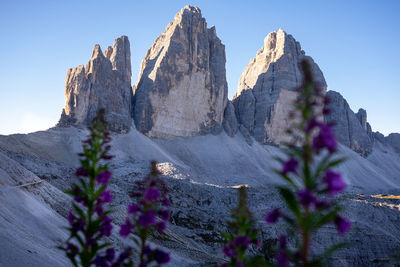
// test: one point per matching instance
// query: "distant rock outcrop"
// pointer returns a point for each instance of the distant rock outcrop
(104, 83)
(265, 94)
(230, 122)
(393, 140)
(182, 88)
(352, 130)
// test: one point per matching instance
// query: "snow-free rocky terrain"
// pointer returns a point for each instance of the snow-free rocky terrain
(206, 146)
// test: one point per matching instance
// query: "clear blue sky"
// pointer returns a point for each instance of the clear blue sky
(355, 43)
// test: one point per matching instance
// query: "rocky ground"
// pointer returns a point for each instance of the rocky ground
(203, 174)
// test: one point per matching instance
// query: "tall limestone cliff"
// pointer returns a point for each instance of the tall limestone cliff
(352, 130)
(182, 88)
(105, 82)
(265, 93)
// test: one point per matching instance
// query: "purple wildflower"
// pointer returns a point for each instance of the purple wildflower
(106, 226)
(99, 210)
(81, 172)
(241, 241)
(311, 124)
(229, 250)
(108, 157)
(164, 214)
(273, 216)
(282, 259)
(342, 224)
(306, 197)
(161, 257)
(282, 241)
(110, 254)
(123, 256)
(126, 228)
(72, 249)
(152, 194)
(103, 177)
(77, 224)
(105, 196)
(100, 261)
(71, 218)
(325, 139)
(289, 166)
(161, 226)
(166, 202)
(147, 218)
(133, 209)
(335, 182)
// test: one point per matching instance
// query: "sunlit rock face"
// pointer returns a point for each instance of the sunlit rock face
(266, 93)
(182, 89)
(105, 82)
(352, 130)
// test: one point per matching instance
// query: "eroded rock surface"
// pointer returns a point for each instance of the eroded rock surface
(265, 93)
(182, 89)
(105, 82)
(352, 130)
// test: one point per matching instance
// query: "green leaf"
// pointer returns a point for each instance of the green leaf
(286, 178)
(291, 201)
(330, 216)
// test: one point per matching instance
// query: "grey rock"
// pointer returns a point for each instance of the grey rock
(393, 140)
(350, 128)
(246, 134)
(105, 82)
(182, 88)
(265, 93)
(362, 117)
(379, 137)
(230, 122)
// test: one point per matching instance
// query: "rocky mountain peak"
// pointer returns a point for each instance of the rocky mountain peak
(182, 89)
(266, 87)
(104, 83)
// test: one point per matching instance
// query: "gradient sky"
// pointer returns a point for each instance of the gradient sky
(355, 43)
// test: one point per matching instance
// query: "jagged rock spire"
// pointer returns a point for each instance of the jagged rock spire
(265, 93)
(182, 89)
(104, 83)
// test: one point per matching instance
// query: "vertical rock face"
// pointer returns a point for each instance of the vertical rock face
(352, 130)
(182, 89)
(230, 122)
(104, 83)
(393, 139)
(266, 88)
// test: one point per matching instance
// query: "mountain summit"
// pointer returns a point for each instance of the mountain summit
(182, 88)
(266, 87)
(104, 83)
